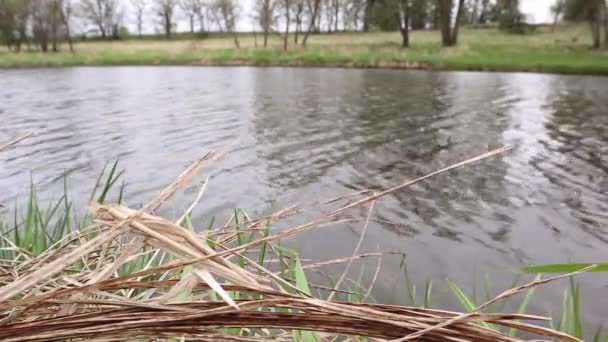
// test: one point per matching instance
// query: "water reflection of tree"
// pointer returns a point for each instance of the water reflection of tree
(437, 119)
(303, 123)
(373, 129)
(575, 160)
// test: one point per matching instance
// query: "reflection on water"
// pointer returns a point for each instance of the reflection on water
(312, 134)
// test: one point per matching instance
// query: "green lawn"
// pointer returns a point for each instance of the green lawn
(565, 51)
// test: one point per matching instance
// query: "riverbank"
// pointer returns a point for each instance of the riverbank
(565, 50)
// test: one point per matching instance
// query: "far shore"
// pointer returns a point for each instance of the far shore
(563, 51)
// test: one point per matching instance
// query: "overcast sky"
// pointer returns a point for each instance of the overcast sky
(537, 11)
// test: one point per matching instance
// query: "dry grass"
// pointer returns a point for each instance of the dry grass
(133, 275)
(14, 142)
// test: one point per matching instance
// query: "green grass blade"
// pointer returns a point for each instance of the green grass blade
(428, 294)
(576, 309)
(302, 286)
(563, 322)
(113, 176)
(466, 302)
(564, 268)
(262, 255)
(597, 336)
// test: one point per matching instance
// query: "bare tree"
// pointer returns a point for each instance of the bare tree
(449, 31)
(605, 7)
(193, 9)
(227, 12)
(165, 9)
(367, 17)
(15, 18)
(313, 19)
(67, 10)
(265, 16)
(286, 7)
(139, 7)
(298, 16)
(352, 13)
(336, 5)
(103, 14)
(404, 22)
(326, 9)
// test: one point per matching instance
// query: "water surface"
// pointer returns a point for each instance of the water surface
(305, 135)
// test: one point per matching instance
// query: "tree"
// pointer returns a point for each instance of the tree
(165, 10)
(385, 15)
(313, 20)
(352, 13)
(449, 31)
(419, 14)
(286, 7)
(592, 11)
(265, 16)
(489, 12)
(557, 9)
(405, 22)
(333, 13)
(192, 9)
(67, 11)
(15, 16)
(367, 17)
(510, 17)
(227, 12)
(140, 7)
(298, 16)
(103, 14)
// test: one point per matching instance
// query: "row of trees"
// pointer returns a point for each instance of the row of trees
(593, 11)
(42, 22)
(306, 16)
(46, 23)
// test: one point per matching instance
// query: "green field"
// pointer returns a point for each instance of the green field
(565, 50)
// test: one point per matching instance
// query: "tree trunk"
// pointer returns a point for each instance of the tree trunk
(265, 37)
(64, 16)
(405, 23)
(596, 24)
(103, 31)
(605, 12)
(287, 17)
(445, 10)
(54, 26)
(167, 25)
(298, 23)
(475, 13)
(236, 40)
(367, 16)
(311, 26)
(459, 12)
(337, 15)
(191, 23)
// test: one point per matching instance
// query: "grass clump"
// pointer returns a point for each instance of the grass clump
(123, 274)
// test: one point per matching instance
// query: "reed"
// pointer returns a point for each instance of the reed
(124, 274)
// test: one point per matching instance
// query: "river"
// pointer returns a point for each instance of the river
(304, 135)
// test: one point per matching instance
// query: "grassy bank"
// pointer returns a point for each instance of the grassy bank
(121, 274)
(565, 50)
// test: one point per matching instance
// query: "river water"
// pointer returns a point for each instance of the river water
(305, 135)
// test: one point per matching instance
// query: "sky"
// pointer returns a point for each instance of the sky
(537, 11)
